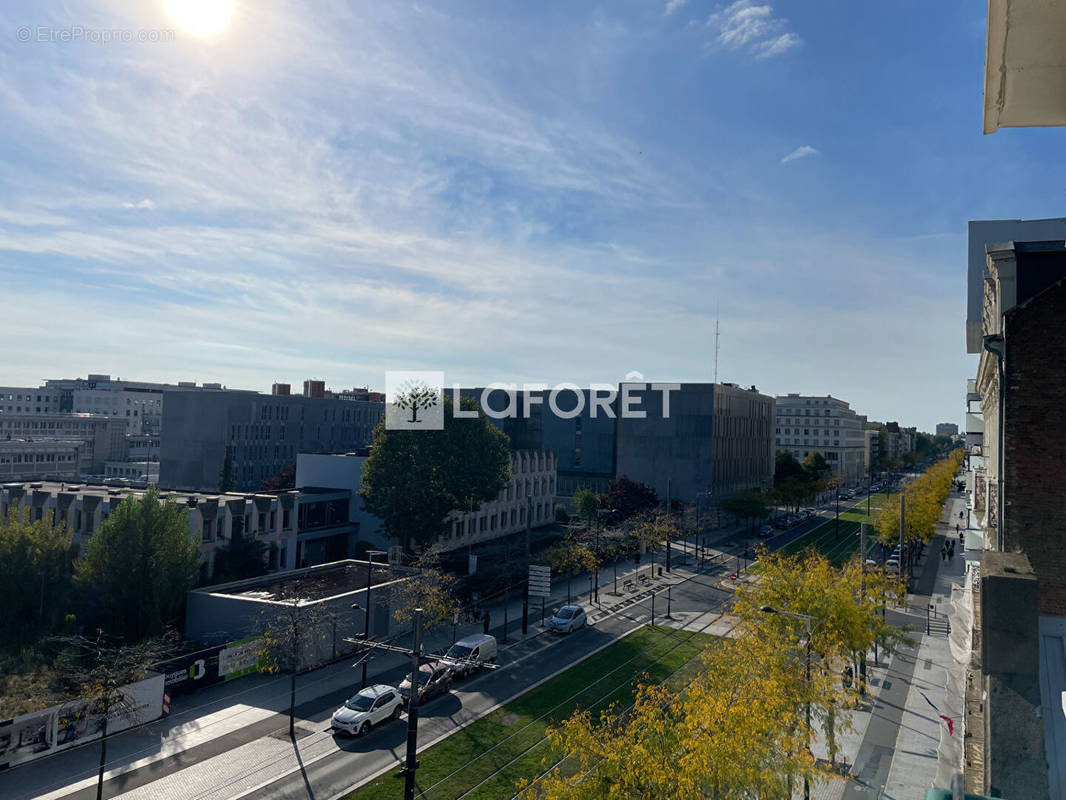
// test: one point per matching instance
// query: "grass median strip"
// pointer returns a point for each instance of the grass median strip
(486, 758)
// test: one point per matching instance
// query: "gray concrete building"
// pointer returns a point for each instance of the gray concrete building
(22, 460)
(717, 439)
(264, 433)
(947, 429)
(104, 438)
(325, 596)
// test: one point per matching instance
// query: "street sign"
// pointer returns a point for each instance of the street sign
(540, 581)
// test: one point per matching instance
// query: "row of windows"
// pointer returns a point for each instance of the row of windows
(528, 488)
(266, 523)
(364, 414)
(490, 522)
(30, 458)
(807, 432)
(29, 398)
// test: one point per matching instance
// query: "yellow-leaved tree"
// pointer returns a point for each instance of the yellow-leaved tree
(742, 726)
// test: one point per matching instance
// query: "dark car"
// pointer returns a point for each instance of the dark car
(434, 679)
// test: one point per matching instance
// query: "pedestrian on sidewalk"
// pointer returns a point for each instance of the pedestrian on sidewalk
(848, 676)
(943, 552)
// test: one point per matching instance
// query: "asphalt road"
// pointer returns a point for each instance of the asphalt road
(522, 666)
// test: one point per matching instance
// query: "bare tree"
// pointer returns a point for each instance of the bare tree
(97, 668)
(293, 629)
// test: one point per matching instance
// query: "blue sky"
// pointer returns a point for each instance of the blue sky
(507, 191)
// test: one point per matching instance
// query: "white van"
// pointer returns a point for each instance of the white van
(468, 655)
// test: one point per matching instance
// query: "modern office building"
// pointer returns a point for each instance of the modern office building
(263, 434)
(813, 423)
(947, 429)
(103, 438)
(213, 518)
(692, 440)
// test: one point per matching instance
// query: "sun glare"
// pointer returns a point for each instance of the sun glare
(200, 18)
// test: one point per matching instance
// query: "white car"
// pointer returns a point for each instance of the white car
(370, 706)
(567, 619)
(892, 563)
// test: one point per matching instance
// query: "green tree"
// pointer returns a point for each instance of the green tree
(227, 478)
(626, 498)
(241, 557)
(37, 574)
(138, 566)
(817, 468)
(750, 505)
(587, 503)
(413, 479)
(793, 484)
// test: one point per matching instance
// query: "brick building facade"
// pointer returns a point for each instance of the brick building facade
(1034, 463)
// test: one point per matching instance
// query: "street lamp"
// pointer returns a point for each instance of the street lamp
(599, 525)
(369, 580)
(807, 676)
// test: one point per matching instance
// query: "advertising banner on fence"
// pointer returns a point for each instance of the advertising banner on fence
(192, 671)
(39, 733)
(239, 658)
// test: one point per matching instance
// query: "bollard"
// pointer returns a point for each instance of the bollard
(486, 622)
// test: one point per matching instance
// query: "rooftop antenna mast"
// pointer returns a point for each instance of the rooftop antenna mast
(716, 344)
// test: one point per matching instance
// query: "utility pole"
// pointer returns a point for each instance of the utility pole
(412, 714)
(369, 580)
(670, 523)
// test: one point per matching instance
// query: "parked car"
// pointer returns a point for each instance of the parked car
(766, 531)
(370, 706)
(469, 655)
(568, 619)
(434, 678)
(780, 524)
(892, 562)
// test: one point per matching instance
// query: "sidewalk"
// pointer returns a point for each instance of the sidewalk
(904, 738)
(223, 741)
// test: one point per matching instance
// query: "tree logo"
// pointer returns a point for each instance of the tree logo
(414, 400)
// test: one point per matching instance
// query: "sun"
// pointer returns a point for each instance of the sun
(201, 18)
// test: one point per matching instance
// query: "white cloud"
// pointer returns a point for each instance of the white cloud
(146, 204)
(800, 152)
(675, 5)
(743, 25)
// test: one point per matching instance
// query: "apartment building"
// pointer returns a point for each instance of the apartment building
(1015, 538)
(813, 423)
(947, 429)
(213, 518)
